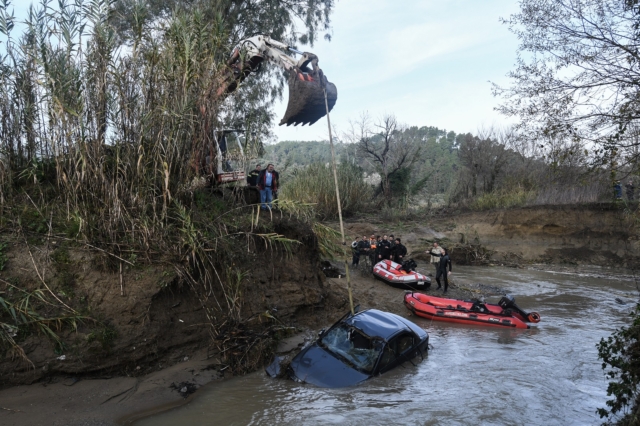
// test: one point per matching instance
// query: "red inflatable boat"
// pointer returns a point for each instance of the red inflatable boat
(401, 276)
(505, 314)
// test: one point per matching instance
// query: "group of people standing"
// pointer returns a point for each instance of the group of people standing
(629, 189)
(378, 248)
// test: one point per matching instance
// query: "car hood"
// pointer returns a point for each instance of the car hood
(317, 366)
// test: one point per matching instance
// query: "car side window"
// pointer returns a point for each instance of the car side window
(388, 356)
(404, 343)
(396, 347)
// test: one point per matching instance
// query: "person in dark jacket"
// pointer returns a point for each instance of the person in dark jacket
(268, 180)
(363, 246)
(442, 269)
(630, 190)
(373, 250)
(252, 177)
(355, 249)
(392, 246)
(399, 252)
(617, 190)
(384, 249)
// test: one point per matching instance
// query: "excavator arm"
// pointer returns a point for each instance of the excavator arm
(307, 83)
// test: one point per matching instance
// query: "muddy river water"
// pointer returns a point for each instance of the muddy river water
(547, 375)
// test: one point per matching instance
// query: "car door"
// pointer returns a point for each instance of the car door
(399, 349)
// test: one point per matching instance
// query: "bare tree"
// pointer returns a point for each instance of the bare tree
(578, 74)
(386, 146)
(485, 156)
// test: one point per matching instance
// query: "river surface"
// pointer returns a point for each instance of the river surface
(547, 375)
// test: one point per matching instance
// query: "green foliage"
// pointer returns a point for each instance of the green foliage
(19, 316)
(61, 256)
(32, 220)
(620, 355)
(105, 334)
(315, 184)
(329, 241)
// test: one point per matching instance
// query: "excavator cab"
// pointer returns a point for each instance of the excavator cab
(225, 160)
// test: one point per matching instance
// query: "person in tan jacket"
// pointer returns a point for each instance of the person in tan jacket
(435, 252)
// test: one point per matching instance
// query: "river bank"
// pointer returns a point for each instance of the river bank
(106, 401)
(161, 351)
(547, 375)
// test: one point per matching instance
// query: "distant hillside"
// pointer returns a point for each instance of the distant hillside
(302, 153)
(438, 156)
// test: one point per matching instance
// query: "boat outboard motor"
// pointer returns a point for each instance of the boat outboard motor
(409, 265)
(509, 303)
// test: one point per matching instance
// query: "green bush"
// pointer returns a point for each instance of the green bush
(315, 185)
(620, 354)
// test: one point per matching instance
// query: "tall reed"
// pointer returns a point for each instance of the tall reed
(315, 185)
(105, 139)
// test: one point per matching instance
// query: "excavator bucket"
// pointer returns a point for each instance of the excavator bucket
(306, 98)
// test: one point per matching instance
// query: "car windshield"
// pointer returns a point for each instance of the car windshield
(357, 348)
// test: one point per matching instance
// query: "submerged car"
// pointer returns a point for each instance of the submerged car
(358, 347)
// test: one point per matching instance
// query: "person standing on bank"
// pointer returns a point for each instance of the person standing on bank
(435, 253)
(355, 248)
(373, 250)
(252, 178)
(384, 249)
(617, 190)
(630, 190)
(399, 252)
(268, 184)
(363, 246)
(442, 270)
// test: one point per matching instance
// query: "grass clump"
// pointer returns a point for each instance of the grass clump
(105, 335)
(315, 185)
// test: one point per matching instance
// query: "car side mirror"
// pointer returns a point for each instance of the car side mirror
(321, 333)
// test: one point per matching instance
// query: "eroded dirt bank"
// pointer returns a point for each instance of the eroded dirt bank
(152, 346)
(596, 234)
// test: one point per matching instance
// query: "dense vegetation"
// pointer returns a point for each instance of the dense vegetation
(427, 167)
(106, 109)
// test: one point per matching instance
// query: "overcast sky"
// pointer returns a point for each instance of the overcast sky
(429, 62)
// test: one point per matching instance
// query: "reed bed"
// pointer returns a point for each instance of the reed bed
(315, 185)
(101, 142)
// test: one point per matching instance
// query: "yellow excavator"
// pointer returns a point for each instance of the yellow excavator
(307, 87)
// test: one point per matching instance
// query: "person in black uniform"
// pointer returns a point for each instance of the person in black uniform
(399, 252)
(355, 248)
(384, 249)
(252, 177)
(392, 243)
(442, 269)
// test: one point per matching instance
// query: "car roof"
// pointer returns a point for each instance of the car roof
(373, 322)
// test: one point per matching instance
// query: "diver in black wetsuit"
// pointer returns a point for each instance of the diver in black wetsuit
(442, 269)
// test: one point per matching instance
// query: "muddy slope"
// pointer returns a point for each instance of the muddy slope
(159, 321)
(597, 234)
